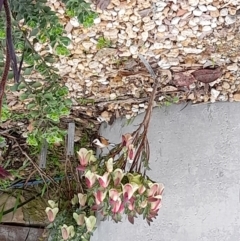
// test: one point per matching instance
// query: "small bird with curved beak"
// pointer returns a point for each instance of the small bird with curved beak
(102, 142)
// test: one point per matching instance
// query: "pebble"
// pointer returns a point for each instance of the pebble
(236, 96)
(226, 85)
(171, 34)
(230, 19)
(233, 67)
(214, 94)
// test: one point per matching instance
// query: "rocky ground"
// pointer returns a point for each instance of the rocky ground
(174, 36)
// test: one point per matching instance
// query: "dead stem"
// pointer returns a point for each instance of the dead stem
(41, 172)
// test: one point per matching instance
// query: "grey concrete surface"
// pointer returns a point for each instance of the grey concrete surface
(196, 154)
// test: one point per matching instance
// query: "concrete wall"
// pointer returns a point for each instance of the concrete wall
(196, 154)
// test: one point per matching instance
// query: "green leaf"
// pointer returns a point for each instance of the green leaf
(32, 140)
(49, 59)
(28, 71)
(14, 87)
(21, 86)
(65, 40)
(34, 32)
(36, 85)
(23, 96)
(31, 105)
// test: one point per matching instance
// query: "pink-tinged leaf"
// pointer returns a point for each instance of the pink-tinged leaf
(90, 178)
(182, 79)
(99, 197)
(103, 180)
(114, 194)
(131, 219)
(127, 140)
(5, 174)
(51, 213)
(128, 190)
(81, 168)
(117, 176)
(117, 206)
(156, 205)
(207, 75)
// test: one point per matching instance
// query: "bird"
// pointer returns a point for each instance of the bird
(102, 142)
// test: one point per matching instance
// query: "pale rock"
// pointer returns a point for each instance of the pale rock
(203, 8)
(133, 49)
(93, 65)
(192, 23)
(37, 47)
(129, 43)
(159, 22)
(114, 14)
(131, 34)
(211, 8)
(222, 98)
(193, 3)
(168, 44)
(182, 23)
(160, 5)
(135, 29)
(213, 25)
(186, 15)
(224, 12)
(149, 26)
(204, 22)
(175, 20)
(161, 28)
(125, 54)
(122, 35)
(97, 20)
(68, 27)
(116, 2)
(206, 28)
(173, 61)
(226, 85)
(146, 19)
(175, 31)
(121, 12)
(157, 45)
(174, 7)
(232, 11)
(236, 96)
(187, 32)
(141, 105)
(134, 109)
(181, 38)
(173, 53)
(113, 96)
(87, 45)
(192, 50)
(94, 41)
(229, 19)
(215, 14)
(81, 67)
(167, 89)
(135, 19)
(144, 36)
(221, 20)
(233, 67)
(214, 94)
(74, 22)
(112, 34)
(164, 64)
(197, 12)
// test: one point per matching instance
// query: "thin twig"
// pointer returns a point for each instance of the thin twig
(41, 172)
